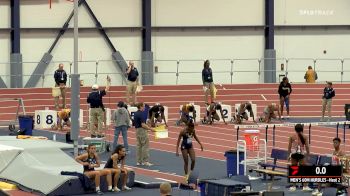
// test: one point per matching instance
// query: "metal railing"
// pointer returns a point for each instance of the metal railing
(171, 72)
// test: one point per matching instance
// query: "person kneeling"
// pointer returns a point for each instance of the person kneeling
(242, 114)
(118, 157)
(63, 122)
(185, 115)
(269, 113)
(212, 114)
(156, 115)
(90, 161)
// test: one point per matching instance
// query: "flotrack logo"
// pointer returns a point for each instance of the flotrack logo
(295, 170)
(306, 12)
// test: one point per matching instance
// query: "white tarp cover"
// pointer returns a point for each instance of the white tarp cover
(38, 165)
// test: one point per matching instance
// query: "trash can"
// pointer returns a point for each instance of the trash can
(252, 139)
(347, 111)
(26, 124)
(231, 162)
(201, 186)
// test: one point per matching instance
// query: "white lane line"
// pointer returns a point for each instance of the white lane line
(141, 182)
(263, 97)
(163, 179)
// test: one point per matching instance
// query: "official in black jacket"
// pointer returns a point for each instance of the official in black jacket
(208, 84)
(328, 94)
(284, 91)
(133, 81)
(95, 101)
(60, 81)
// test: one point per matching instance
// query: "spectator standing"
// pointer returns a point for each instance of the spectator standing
(310, 75)
(122, 123)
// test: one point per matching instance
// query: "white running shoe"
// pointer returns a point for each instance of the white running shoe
(292, 188)
(306, 188)
(315, 192)
(125, 188)
(148, 164)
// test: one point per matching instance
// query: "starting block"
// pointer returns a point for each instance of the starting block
(198, 112)
(161, 132)
(254, 108)
(81, 118)
(45, 119)
(227, 112)
(107, 118)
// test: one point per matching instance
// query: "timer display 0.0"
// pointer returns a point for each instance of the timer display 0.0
(324, 174)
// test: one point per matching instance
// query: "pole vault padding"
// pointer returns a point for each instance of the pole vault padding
(39, 70)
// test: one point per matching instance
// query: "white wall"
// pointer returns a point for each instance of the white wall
(193, 45)
(5, 14)
(196, 46)
(312, 12)
(111, 13)
(207, 12)
(92, 47)
(5, 56)
(312, 43)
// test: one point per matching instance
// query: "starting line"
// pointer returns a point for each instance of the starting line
(291, 124)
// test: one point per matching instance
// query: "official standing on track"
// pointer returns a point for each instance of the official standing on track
(328, 94)
(142, 139)
(208, 84)
(97, 108)
(60, 81)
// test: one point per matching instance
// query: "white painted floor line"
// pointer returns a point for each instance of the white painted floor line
(263, 97)
(141, 182)
(166, 180)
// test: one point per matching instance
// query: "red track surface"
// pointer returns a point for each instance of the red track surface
(305, 101)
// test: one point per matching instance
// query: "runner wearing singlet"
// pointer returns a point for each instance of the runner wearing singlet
(185, 114)
(296, 150)
(269, 113)
(242, 114)
(90, 161)
(118, 158)
(156, 115)
(212, 113)
(187, 136)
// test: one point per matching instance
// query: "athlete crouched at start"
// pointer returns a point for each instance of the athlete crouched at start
(242, 114)
(156, 115)
(212, 114)
(185, 114)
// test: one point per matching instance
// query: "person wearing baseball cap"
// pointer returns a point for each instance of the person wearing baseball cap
(96, 108)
